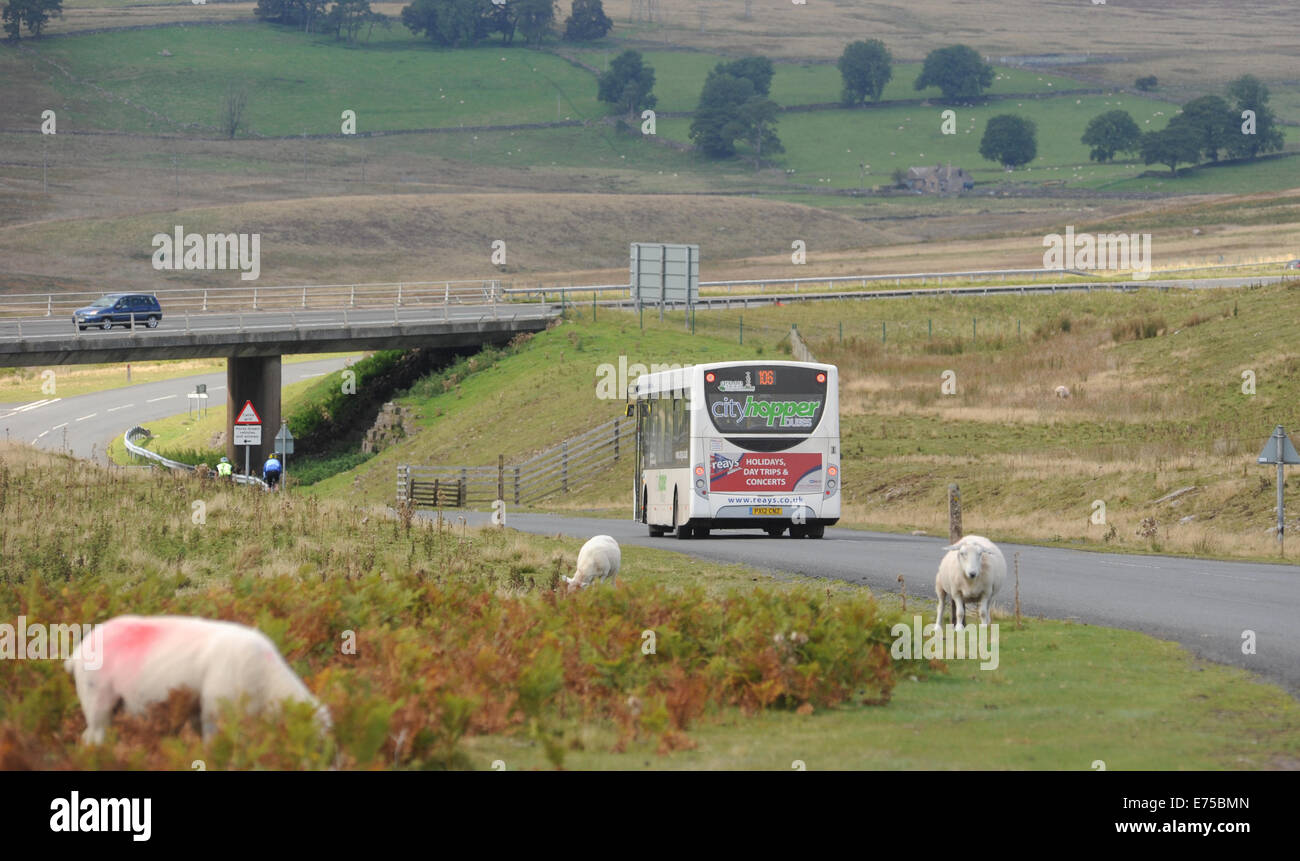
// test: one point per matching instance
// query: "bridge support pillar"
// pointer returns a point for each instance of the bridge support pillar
(256, 379)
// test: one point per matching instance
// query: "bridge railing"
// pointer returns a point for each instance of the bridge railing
(128, 439)
(571, 464)
(239, 298)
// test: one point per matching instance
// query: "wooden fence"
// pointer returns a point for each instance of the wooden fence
(559, 469)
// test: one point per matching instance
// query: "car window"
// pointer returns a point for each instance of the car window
(104, 302)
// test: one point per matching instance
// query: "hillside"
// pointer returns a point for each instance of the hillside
(1147, 417)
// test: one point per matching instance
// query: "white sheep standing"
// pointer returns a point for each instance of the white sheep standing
(138, 660)
(972, 571)
(1062, 392)
(598, 559)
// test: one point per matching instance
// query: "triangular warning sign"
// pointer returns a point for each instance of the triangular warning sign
(248, 415)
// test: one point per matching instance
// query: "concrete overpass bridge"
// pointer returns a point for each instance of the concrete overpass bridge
(252, 336)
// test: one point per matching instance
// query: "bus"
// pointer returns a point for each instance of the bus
(738, 445)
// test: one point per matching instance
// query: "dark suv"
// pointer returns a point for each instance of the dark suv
(129, 309)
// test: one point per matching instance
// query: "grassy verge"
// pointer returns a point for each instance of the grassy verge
(26, 384)
(465, 655)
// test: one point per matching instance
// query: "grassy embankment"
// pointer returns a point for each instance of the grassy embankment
(465, 656)
(1147, 415)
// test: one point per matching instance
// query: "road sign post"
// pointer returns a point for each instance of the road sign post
(247, 432)
(284, 445)
(1279, 450)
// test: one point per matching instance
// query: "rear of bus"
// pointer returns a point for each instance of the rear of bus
(768, 438)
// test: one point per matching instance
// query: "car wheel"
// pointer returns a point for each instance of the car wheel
(81, 328)
(152, 323)
(107, 324)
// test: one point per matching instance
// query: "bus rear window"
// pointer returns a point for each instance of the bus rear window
(765, 399)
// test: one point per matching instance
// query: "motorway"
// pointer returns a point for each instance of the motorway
(1205, 605)
(83, 425)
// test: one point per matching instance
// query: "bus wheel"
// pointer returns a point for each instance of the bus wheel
(683, 529)
(798, 532)
(818, 531)
(655, 531)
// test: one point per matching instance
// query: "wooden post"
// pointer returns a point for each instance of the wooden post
(501, 476)
(436, 489)
(516, 485)
(564, 466)
(954, 513)
(460, 490)
(616, 424)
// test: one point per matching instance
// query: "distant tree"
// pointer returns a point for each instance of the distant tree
(627, 84)
(12, 16)
(535, 18)
(450, 22)
(1250, 94)
(732, 109)
(713, 127)
(1146, 83)
(346, 19)
(32, 14)
(1110, 133)
(1173, 145)
(757, 70)
(586, 21)
(899, 176)
(755, 124)
(233, 104)
(958, 71)
(1213, 121)
(1010, 140)
(865, 67)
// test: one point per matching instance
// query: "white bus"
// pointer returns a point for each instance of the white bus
(738, 445)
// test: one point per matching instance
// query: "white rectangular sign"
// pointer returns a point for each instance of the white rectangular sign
(248, 434)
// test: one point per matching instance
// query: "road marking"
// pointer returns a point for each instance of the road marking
(32, 406)
(123, 407)
(56, 427)
(217, 388)
(91, 416)
(38, 439)
(163, 398)
(308, 376)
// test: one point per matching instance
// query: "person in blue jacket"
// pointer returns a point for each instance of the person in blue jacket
(271, 471)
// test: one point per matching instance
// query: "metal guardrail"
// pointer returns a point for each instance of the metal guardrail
(140, 451)
(261, 298)
(558, 469)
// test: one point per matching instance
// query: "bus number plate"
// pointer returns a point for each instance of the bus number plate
(769, 512)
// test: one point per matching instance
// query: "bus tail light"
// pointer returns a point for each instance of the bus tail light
(700, 486)
(832, 479)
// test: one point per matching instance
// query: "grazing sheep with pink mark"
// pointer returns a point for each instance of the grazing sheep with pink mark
(971, 572)
(136, 661)
(598, 559)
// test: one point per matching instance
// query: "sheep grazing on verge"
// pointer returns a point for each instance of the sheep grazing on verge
(1062, 392)
(136, 661)
(971, 572)
(598, 559)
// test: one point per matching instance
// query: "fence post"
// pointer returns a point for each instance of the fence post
(954, 513)
(564, 466)
(352, 296)
(437, 490)
(501, 476)
(742, 330)
(304, 297)
(616, 426)
(460, 491)
(205, 299)
(516, 485)
(255, 299)
(49, 306)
